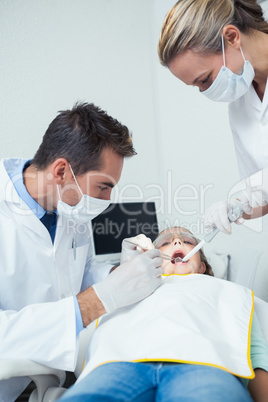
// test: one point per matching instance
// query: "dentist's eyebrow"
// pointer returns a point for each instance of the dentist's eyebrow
(107, 184)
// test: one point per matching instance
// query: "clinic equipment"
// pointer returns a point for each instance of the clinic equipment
(235, 213)
(122, 220)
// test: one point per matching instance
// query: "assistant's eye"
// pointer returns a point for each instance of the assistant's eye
(102, 188)
(206, 80)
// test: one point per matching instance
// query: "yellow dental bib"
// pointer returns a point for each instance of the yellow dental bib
(194, 319)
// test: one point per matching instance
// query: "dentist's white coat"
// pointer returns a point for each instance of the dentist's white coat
(37, 284)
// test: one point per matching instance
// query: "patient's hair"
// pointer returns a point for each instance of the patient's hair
(208, 270)
(203, 258)
(198, 25)
(79, 135)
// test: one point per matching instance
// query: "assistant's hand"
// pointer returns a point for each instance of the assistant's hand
(217, 217)
(255, 194)
(133, 246)
(131, 281)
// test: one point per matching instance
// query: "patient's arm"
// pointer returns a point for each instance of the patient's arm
(258, 387)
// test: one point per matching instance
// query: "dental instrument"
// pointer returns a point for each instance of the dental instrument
(167, 257)
(235, 213)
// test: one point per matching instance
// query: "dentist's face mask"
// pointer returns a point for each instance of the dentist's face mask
(229, 86)
(87, 208)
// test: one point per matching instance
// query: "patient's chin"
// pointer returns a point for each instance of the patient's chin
(179, 269)
(168, 268)
(182, 269)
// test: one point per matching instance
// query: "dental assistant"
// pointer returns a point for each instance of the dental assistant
(50, 288)
(221, 46)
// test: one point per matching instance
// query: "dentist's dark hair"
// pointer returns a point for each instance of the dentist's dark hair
(79, 135)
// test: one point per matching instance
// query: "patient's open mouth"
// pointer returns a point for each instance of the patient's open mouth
(177, 257)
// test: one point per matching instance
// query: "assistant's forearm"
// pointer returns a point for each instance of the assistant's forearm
(257, 213)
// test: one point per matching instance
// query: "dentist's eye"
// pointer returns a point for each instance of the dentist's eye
(102, 188)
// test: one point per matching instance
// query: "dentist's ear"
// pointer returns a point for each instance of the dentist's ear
(61, 171)
(202, 268)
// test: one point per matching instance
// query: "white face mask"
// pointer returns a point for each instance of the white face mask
(87, 208)
(229, 86)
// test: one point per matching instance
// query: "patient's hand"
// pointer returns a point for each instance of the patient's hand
(258, 387)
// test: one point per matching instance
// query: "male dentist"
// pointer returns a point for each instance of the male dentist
(49, 287)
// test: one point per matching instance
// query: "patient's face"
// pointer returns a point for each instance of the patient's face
(177, 242)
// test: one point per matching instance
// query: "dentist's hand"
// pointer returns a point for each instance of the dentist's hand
(217, 217)
(131, 282)
(134, 246)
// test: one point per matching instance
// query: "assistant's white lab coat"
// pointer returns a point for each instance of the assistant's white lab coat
(37, 282)
(248, 117)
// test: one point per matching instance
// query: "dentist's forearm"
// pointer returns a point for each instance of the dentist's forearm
(90, 306)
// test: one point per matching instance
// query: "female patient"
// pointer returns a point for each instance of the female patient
(189, 340)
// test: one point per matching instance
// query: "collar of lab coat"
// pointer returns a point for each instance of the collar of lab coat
(8, 192)
(16, 175)
(16, 206)
(254, 100)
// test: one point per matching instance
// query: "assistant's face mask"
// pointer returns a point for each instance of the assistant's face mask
(87, 208)
(229, 86)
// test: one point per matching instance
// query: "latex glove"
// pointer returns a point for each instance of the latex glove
(217, 216)
(133, 246)
(131, 282)
(255, 193)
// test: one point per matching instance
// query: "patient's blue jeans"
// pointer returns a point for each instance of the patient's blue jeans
(147, 382)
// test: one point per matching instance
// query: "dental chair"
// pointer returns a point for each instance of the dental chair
(48, 381)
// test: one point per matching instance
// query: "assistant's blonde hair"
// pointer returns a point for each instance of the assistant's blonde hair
(198, 24)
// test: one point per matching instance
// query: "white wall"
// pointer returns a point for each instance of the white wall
(56, 52)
